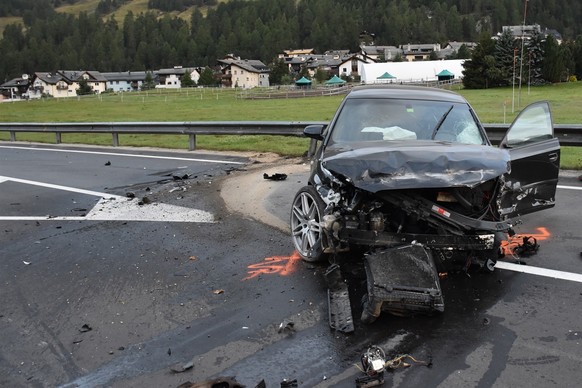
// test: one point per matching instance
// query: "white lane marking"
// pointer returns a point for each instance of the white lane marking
(550, 273)
(117, 208)
(126, 155)
(569, 187)
(59, 187)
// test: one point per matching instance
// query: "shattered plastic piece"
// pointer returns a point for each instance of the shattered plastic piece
(370, 381)
(275, 177)
(181, 177)
(338, 300)
(286, 326)
(218, 292)
(529, 246)
(26, 262)
(289, 383)
(179, 368)
(222, 382)
(108, 163)
(85, 328)
(261, 384)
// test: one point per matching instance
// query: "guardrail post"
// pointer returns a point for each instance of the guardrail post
(192, 138)
(58, 137)
(115, 138)
(12, 136)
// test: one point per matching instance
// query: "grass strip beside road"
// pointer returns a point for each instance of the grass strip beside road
(499, 105)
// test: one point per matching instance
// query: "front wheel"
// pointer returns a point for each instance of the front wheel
(306, 229)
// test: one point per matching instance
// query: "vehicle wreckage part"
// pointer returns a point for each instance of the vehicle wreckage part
(306, 229)
(373, 360)
(338, 298)
(374, 238)
(402, 280)
(434, 213)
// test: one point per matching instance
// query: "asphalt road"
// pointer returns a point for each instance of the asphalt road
(100, 290)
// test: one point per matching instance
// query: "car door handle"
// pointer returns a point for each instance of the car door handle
(553, 156)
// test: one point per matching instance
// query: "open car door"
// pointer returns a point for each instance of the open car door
(535, 163)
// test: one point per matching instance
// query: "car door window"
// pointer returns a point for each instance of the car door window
(533, 124)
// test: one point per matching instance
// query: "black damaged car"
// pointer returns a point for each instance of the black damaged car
(408, 177)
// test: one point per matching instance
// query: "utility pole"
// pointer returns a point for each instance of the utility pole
(521, 56)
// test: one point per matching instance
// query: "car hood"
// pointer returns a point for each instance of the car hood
(413, 165)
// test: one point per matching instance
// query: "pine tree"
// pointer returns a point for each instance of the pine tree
(507, 57)
(481, 72)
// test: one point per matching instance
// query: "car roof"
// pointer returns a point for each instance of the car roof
(405, 92)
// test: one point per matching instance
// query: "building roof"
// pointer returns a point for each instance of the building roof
(16, 83)
(51, 78)
(252, 65)
(125, 76)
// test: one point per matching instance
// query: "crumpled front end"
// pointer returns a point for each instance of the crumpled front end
(438, 196)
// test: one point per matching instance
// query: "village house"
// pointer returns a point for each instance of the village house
(126, 81)
(419, 52)
(172, 78)
(381, 53)
(243, 73)
(15, 89)
(64, 83)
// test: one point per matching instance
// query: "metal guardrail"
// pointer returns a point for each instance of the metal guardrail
(568, 134)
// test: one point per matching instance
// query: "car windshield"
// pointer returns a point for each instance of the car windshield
(392, 119)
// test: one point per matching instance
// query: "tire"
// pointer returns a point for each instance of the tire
(306, 230)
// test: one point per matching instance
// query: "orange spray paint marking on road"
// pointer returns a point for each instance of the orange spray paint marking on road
(508, 246)
(282, 265)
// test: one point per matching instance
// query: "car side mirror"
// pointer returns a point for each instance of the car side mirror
(314, 131)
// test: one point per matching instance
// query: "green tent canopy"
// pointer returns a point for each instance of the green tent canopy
(335, 80)
(386, 76)
(445, 75)
(303, 81)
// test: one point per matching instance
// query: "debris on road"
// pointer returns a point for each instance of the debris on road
(144, 201)
(181, 177)
(85, 328)
(26, 262)
(222, 382)
(338, 299)
(108, 163)
(179, 368)
(527, 247)
(218, 292)
(289, 383)
(286, 327)
(374, 363)
(398, 362)
(275, 177)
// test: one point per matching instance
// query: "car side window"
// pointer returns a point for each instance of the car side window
(533, 124)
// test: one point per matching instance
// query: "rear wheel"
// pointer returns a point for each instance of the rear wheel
(306, 229)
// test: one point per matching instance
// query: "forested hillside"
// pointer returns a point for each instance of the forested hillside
(47, 40)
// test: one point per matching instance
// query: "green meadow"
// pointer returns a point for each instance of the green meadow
(492, 105)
